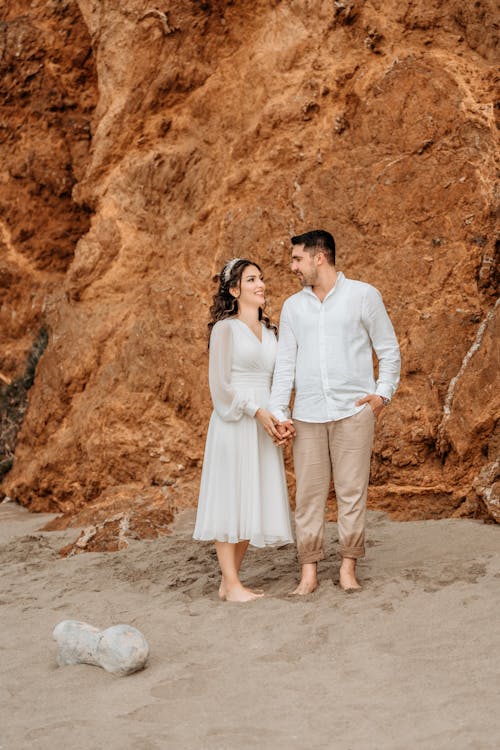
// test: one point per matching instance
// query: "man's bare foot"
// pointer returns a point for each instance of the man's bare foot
(347, 576)
(308, 580)
(305, 587)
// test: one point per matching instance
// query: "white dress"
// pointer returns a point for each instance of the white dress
(243, 492)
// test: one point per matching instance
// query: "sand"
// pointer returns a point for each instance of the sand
(413, 661)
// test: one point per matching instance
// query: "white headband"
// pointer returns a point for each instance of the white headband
(226, 271)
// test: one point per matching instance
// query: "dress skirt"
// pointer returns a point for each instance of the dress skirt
(243, 493)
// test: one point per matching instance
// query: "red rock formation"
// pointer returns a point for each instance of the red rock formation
(48, 93)
(48, 89)
(221, 128)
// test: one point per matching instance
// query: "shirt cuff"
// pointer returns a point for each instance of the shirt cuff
(282, 415)
(250, 408)
(384, 391)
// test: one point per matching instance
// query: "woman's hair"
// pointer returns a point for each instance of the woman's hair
(224, 305)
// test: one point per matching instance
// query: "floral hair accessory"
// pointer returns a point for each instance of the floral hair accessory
(226, 271)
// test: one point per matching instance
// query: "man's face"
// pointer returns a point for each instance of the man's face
(303, 265)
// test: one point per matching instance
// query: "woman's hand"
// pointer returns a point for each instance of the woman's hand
(270, 425)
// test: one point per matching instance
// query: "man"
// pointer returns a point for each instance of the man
(327, 334)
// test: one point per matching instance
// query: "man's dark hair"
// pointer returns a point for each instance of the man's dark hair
(317, 241)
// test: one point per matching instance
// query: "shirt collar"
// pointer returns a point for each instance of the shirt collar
(337, 285)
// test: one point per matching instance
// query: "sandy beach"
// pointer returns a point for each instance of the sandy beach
(413, 661)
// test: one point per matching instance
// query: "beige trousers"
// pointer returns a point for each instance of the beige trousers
(344, 447)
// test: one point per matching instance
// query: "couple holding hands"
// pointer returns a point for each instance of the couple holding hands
(328, 332)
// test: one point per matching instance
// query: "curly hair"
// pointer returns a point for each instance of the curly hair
(224, 305)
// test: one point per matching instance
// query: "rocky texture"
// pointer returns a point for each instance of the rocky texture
(47, 96)
(487, 487)
(14, 401)
(118, 516)
(222, 128)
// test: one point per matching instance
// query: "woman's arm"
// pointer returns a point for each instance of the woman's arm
(229, 405)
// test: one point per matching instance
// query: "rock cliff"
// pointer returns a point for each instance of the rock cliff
(145, 144)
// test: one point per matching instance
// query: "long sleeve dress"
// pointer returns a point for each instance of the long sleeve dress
(243, 492)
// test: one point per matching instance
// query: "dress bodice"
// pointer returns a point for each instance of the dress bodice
(239, 367)
(252, 360)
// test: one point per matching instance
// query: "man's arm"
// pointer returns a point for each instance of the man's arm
(284, 371)
(384, 341)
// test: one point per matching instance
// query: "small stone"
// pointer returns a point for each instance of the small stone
(340, 125)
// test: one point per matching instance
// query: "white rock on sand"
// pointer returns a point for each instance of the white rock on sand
(413, 661)
(120, 649)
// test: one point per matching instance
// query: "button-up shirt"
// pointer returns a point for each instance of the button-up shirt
(325, 352)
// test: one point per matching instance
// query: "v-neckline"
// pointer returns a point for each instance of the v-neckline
(252, 332)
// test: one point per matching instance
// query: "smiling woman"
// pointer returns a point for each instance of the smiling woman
(243, 496)
(240, 281)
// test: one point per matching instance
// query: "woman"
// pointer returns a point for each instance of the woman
(243, 497)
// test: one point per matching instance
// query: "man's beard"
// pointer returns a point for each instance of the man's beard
(307, 279)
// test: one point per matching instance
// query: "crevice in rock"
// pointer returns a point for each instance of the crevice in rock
(14, 401)
(448, 404)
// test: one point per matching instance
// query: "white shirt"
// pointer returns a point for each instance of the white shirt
(325, 352)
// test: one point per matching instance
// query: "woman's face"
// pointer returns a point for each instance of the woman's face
(252, 287)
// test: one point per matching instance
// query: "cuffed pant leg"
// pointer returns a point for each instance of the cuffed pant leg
(312, 473)
(351, 442)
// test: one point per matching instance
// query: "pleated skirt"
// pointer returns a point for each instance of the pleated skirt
(243, 493)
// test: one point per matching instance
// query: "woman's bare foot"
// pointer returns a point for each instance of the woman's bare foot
(347, 576)
(238, 593)
(308, 581)
(223, 592)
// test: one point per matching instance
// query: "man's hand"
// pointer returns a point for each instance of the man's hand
(270, 424)
(287, 432)
(376, 403)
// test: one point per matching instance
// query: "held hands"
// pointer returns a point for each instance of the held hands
(280, 432)
(376, 403)
(284, 432)
(287, 432)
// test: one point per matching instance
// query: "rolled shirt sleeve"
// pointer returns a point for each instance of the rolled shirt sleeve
(384, 341)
